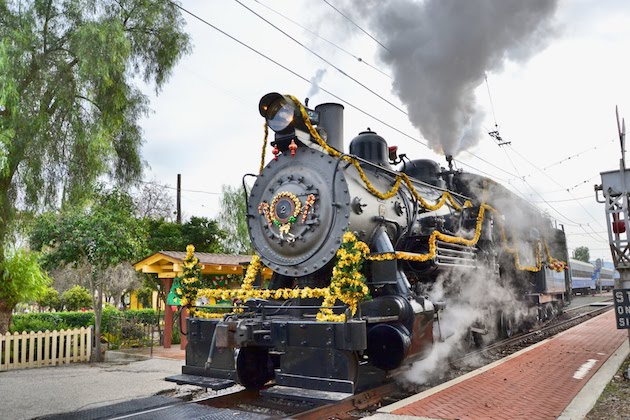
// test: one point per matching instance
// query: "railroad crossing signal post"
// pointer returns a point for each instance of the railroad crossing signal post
(615, 189)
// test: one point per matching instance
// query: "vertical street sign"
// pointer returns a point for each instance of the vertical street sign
(621, 297)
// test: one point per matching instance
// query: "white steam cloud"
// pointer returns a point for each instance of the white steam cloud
(440, 50)
(315, 82)
(470, 296)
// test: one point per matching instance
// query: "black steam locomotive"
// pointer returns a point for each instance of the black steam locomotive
(356, 246)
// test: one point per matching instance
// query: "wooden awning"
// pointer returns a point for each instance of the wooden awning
(169, 264)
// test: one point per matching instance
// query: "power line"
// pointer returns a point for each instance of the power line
(355, 24)
(569, 158)
(350, 104)
(557, 183)
(581, 233)
(323, 59)
(182, 189)
(315, 34)
(332, 94)
(564, 201)
(563, 160)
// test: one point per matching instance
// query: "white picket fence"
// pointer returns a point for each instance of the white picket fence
(48, 348)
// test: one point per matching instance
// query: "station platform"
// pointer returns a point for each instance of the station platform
(561, 377)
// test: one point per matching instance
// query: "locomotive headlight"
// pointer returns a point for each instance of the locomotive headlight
(283, 115)
(279, 111)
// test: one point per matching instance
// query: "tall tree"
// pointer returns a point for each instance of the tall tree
(154, 201)
(69, 110)
(581, 253)
(232, 219)
(102, 236)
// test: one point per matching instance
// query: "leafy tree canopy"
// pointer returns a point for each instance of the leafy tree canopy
(104, 234)
(22, 281)
(101, 235)
(201, 232)
(23, 278)
(50, 299)
(69, 110)
(233, 220)
(581, 253)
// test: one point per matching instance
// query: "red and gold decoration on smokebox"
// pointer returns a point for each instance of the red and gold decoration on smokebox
(270, 212)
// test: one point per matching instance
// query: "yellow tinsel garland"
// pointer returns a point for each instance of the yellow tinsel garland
(190, 279)
(399, 178)
(446, 196)
(347, 284)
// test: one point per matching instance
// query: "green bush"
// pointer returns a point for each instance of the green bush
(76, 298)
(65, 320)
(50, 299)
(35, 322)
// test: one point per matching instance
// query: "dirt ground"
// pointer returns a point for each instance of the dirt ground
(614, 403)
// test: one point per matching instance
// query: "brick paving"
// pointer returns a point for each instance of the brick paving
(174, 352)
(538, 384)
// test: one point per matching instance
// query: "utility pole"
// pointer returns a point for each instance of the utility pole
(615, 189)
(179, 199)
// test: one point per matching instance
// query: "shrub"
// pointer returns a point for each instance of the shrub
(65, 320)
(36, 322)
(50, 299)
(76, 298)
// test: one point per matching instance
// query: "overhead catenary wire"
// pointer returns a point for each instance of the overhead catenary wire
(497, 137)
(357, 25)
(157, 184)
(307, 80)
(564, 160)
(343, 73)
(557, 183)
(333, 44)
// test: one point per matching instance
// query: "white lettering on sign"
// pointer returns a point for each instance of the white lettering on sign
(619, 297)
(584, 369)
(622, 307)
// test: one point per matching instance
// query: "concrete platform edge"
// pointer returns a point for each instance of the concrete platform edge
(585, 400)
(402, 403)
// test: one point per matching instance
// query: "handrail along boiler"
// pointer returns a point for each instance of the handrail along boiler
(354, 244)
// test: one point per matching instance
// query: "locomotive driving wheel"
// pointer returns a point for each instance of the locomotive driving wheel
(507, 325)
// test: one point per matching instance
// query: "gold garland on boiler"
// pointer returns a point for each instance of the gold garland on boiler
(553, 263)
(348, 284)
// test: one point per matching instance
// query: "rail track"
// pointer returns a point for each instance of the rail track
(258, 405)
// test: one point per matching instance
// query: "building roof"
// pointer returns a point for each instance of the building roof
(169, 264)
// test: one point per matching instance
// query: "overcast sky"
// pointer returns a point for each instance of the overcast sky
(554, 72)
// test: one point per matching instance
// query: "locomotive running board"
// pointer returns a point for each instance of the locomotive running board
(302, 394)
(202, 381)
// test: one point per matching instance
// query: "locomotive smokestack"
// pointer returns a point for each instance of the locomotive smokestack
(331, 120)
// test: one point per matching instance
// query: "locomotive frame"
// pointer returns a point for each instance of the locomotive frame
(347, 304)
